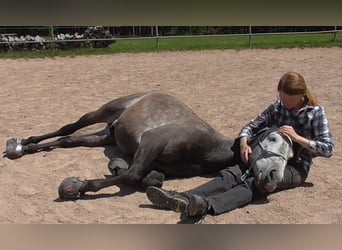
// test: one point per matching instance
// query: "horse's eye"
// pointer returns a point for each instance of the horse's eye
(272, 138)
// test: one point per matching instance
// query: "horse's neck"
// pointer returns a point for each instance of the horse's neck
(221, 152)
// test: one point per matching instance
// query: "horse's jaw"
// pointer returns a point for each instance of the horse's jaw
(269, 172)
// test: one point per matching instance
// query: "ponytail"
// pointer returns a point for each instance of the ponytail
(312, 99)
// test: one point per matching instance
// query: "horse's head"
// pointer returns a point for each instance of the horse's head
(269, 159)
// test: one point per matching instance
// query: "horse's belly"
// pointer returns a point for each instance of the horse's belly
(170, 156)
(126, 141)
(161, 113)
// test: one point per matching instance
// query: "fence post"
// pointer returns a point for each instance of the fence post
(250, 36)
(52, 39)
(335, 34)
(157, 38)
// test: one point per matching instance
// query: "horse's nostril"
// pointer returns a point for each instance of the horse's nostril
(272, 174)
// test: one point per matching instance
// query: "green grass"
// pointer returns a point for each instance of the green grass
(199, 43)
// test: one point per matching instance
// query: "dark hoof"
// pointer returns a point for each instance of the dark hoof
(70, 188)
(117, 166)
(154, 178)
(14, 148)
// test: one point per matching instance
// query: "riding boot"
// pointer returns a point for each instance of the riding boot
(167, 199)
(198, 206)
(195, 205)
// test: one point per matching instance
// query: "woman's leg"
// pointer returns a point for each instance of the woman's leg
(195, 202)
(224, 181)
(238, 196)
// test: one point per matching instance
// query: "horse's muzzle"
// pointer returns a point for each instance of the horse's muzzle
(267, 182)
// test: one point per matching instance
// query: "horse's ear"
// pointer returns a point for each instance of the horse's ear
(290, 153)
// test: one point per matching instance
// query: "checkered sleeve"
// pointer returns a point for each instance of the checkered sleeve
(263, 120)
(322, 142)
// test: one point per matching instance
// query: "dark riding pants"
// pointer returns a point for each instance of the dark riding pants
(226, 191)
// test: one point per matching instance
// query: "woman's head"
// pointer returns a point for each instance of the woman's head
(293, 91)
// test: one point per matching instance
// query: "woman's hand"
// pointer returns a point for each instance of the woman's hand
(245, 150)
(288, 130)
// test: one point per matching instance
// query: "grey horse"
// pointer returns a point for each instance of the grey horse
(157, 136)
(271, 151)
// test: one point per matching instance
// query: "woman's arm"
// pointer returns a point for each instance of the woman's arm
(322, 143)
(261, 121)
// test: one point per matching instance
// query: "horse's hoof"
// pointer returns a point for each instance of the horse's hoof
(14, 149)
(154, 178)
(70, 188)
(117, 166)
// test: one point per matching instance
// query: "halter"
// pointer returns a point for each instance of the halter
(266, 153)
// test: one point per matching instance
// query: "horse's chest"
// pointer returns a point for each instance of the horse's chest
(172, 153)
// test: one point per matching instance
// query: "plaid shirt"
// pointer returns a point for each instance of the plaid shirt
(309, 122)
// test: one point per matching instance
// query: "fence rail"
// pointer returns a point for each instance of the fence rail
(51, 40)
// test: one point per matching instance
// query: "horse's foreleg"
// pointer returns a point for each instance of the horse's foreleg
(73, 187)
(140, 172)
(98, 184)
(67, 188)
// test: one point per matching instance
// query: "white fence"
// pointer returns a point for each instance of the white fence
(52, 41)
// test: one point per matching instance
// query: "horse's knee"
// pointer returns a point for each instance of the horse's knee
(132, 176)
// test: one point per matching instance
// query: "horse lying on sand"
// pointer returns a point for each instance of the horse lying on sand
(158, 136)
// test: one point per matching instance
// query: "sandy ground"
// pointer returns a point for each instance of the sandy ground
(226, 88)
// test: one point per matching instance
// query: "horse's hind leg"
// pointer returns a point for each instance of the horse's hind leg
(91, 118)
(102, 138)
(108, 113)
(15, 148)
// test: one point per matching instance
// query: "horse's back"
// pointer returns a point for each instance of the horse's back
(155, 110)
